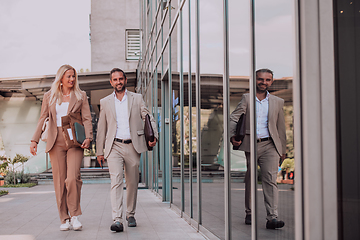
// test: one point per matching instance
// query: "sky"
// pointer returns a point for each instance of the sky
(274, 29)
(38, 36)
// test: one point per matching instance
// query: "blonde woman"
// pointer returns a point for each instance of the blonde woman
(64, 97)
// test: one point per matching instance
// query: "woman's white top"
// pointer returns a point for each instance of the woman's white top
(61, 110)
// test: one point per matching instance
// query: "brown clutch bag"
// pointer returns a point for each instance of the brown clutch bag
(73, 130)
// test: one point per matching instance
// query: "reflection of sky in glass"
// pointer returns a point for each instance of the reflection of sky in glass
(274, 37)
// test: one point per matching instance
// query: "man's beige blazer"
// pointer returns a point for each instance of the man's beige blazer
(276, 123)
(75, 106)
(107, 125)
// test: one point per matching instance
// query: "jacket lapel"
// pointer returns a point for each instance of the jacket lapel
(53, 113)
(112, 105)
(130, 102)
(271, 107)
(72, 102)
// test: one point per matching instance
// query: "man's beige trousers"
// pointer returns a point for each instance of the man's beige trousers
(268, 160)
(123, 156)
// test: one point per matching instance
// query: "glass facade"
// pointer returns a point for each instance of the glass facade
(182, 76)
(198, 59)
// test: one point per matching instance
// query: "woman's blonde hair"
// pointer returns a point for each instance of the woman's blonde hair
(56, 87)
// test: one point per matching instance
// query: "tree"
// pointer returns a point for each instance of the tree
(3, 166)
(19, 158)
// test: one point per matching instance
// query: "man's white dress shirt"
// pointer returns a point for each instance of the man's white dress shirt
(262, 117)
(122, 117)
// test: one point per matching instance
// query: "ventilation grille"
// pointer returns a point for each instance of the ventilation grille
(133, 45)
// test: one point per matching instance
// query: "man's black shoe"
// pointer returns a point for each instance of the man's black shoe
(248, 219)
(131, 221)
(117, 227)
(274, 223)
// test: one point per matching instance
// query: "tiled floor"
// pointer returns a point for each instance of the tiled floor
(31, 213)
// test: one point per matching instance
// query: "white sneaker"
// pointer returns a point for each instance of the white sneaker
(76, 224)
(65, 226)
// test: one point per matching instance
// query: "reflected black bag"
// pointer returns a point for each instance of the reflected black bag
(149, 132)
(240, 130)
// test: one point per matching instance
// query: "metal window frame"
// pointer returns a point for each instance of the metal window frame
(315, 121)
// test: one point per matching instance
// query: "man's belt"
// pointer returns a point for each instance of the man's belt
(126, 141)
(263, 139)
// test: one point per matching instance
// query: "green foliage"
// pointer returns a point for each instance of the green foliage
(5, 169)
(289, 124)
(19, 158)
(4, 165)
(3, 192)
(23, 177)
(90, 152)
(19, 185)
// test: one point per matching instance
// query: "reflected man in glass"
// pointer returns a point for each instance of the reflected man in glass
(271, 144)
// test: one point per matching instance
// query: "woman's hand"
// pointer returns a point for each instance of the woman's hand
(86, 143)
(33, 148)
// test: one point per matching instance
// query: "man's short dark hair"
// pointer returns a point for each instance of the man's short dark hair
(117, 70)
(265, 70)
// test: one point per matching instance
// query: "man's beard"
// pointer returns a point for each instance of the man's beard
(258, 90)
(121, 90)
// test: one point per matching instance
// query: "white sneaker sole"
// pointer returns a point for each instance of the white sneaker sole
(77, 229)
(64, 229)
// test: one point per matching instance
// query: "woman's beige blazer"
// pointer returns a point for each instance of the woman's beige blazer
(276, 123)
(107, 125)
(75, 106)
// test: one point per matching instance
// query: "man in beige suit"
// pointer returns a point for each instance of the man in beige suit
(271, 143)
(121, 140)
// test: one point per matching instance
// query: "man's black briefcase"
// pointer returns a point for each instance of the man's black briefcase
(149, 132)
(240, 130)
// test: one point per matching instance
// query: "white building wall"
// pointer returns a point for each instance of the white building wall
(18, 120)
(109, 20)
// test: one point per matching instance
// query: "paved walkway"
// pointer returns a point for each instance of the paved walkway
(31, 213)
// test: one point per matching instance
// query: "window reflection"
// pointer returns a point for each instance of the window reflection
(212, 147)
(281, 88)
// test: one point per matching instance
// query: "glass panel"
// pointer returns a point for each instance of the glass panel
(239, 68)
(188, 121)
(274, 118)
(195, 208)
(211, 126)
(157, 91)
(176, 124)
(163, 37)
(161, 132)
(212, 155)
